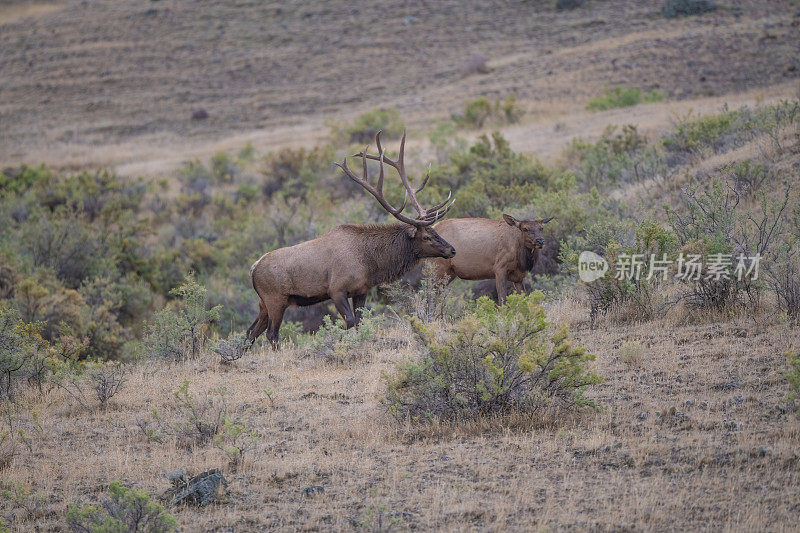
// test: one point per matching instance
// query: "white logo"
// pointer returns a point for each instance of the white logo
(591, 266)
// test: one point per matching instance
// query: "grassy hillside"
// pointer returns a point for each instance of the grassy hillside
(117, 81)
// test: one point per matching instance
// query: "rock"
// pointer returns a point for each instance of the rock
(200, 114)
(201, 490)
(177, 477)
(311, 491)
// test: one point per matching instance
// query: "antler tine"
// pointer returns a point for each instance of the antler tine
(380, 175)
(400, 161)
(379, 196)
(441, 205)
(364, 172)
(425, 181)
(426, 216)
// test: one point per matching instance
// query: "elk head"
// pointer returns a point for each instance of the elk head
(531, 230)
(427, 243)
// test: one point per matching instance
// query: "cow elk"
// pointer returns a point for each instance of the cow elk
(501, 249)
(350, 259)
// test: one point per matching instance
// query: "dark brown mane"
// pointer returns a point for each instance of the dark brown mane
(386, 249)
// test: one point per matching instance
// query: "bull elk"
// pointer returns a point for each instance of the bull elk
(488, 249)
(350, 259)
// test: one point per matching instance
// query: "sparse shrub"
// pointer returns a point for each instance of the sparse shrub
(23, 352)
(223, 168)
(480, 111)
(434, 300)
(231, 348)
(445, 141)
(291, 332)
(100, 380)
(782, 271)
(18, 501)
(623, 97)
(792, 374)
(333, 342)
(494, 360)
(181, 331)
(712, 225)
(694, 136)
(674, 8)
(631, 352)
(207, 421)
(126, 509)
(247, 153)
(625, 287)
(747, 177)
(365, 127)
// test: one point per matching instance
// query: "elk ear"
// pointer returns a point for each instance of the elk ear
(411, 231)
(511, 221)
(546, 220)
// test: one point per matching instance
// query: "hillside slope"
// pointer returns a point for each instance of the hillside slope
(106, 82)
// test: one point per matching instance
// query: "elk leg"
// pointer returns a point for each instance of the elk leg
(275, 312)
(500, 283)
(259, 324)
(358, 305)
(517, 287)
(343, 306)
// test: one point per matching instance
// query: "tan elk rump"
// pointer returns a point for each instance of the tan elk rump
(503, 250)
(350, 259)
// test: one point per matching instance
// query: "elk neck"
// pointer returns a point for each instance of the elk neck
(526, 257)
(387, 250)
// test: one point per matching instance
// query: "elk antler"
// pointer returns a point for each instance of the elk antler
(426, 216)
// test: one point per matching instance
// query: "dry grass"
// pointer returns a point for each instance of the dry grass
(695, 437)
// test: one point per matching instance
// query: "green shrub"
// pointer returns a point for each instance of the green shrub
(674, 8)
(480, 111)
(365, 127)
(476, 113)
(295, 172)
(747, 177)
(623, 97)
(490, 175)
(180, 331)
(23, 352)
(125, 510)
(494, 360)
(333, 342)
(618, 157)
(694, 135)
(223, 168)
(625, 287)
